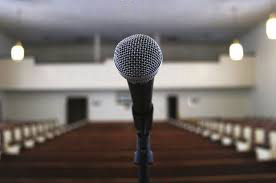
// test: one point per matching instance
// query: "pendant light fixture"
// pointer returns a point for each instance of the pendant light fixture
(17, 51)
(271, 26)
(235, 49)
(271, 23)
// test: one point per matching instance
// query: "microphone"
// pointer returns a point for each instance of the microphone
(138, 58)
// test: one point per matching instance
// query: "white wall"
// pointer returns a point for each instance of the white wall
(34, 106)
(43, 105)
(264, 95)
(29, 76)
(40, 91)
(109, 109)
(5, 45)
(216, 103)
(103, 105)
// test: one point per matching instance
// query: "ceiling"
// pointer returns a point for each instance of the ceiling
(73, 20)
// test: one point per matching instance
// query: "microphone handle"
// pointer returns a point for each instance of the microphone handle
(142, 108)
(141, 94)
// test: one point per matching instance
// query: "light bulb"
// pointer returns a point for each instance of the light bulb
(17, 52)
(236, 51)
(271, 27)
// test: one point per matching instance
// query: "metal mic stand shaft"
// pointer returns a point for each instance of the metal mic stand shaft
(143, 156)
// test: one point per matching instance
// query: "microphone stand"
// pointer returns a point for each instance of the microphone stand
(143, 156)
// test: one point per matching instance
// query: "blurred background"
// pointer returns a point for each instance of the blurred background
(65, 111)
(68, 49)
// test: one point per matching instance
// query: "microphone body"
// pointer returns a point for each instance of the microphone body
(138, 58)
(142, 107)
(141, 95)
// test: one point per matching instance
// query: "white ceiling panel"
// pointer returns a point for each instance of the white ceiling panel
(36, 20)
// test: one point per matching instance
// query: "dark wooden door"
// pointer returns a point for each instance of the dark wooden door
(172, 107)
(1, 110)
(76, 109)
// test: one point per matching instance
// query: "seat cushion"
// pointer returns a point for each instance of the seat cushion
(226, 141)
(215, 136)
(206, 133)
(49, 135)
(40, 139)
(28, 144)
(263, 154)
(243, 146)
(12, 149)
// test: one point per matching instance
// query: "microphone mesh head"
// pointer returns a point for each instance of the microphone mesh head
(138, 58)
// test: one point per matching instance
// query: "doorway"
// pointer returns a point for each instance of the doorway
(1, 110)
(172, 107)
(76, 109)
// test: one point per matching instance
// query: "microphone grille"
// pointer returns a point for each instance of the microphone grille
(138, 58)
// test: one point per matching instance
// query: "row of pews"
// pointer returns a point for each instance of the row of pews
(22, 135)
(100, 152)
(244, 134)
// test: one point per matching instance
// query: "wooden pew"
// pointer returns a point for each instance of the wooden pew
(103, 153)
(9, 145)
